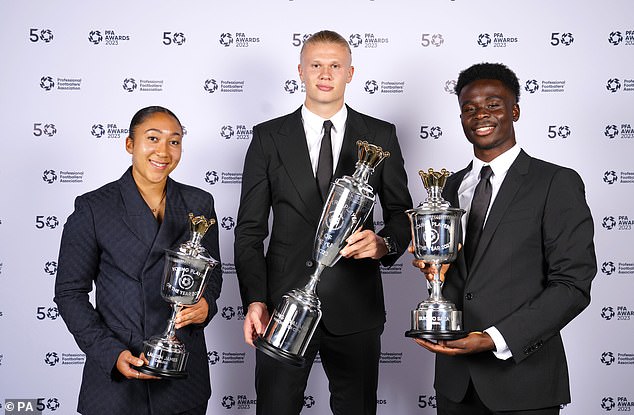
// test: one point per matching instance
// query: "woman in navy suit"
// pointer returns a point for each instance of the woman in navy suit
(115, 239)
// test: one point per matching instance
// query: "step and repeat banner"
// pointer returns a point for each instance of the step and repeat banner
(74, 73)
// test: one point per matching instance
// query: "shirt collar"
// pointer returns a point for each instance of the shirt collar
(501, 164)
(316, 123)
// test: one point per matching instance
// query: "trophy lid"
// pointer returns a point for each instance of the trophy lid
(198, 227)
(434, 182)
(370, 154)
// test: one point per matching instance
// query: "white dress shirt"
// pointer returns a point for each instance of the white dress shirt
(314, 129)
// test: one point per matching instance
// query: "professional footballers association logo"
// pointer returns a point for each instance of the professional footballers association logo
(49, 176)
(608, 268)
(50, 267)
(226, 132)
(226, 39)
(95, 37)
(179, 38)
(309, 401)
(450, 86)
(613, 85)
(46, 35)
(50, 130)
(355, 40)
(211, 86)
(211, 177)
(227, 223)
(611, 131)
(371, 86)
(608, 222)
(607, 313)
(564, 131)
(435, 132)
(484, 40)
(291, 86)
(97, 130)
(567, 39)
(213, 357)
(47, 83)
(52, 222)
(608, 403)
(437, 40)
(228, 313)
(129, 84)
(186, 281)
(52, 313)
(615, 38)
(531, 86)
(228, 402)
(607, 358)
(51, 358)
(610, 177)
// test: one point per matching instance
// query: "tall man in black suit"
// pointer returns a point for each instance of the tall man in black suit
(524, 277)
(280, 175)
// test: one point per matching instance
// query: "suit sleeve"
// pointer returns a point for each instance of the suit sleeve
(252, 226)
(212, 245)
(395, 199)
(569, 267)
(78, 267)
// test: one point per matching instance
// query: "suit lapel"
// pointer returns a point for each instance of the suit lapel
(356, 130)
(175, 219)
(137, 215)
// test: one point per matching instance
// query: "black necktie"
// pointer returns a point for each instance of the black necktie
(479, 207)
(324, 164)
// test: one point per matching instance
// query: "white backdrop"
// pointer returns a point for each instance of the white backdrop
(73, 74)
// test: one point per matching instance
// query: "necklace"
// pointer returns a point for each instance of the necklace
(160, 203)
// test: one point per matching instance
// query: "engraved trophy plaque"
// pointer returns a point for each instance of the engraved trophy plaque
(435, 235)
(349, 203)
(184, 280)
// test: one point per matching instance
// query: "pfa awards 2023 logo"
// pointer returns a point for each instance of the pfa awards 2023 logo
(621, 38)
(108, 131)
(498, 40)
(623, 131)
(618, 404)
(238, 39)
(107, 37)
(367, 40)
(616, 313)
(619, 223)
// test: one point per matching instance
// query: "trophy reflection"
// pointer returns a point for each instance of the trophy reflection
(184, 280)
(349, 203)
(435, 235)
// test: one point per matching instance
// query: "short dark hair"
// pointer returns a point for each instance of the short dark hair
(142, 114)
(326, 36)
(487, 70)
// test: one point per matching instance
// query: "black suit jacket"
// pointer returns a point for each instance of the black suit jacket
(112, 240)
(278, 177)
(530, 276)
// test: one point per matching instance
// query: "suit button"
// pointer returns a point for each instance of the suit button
(469, 296)
(309, 263)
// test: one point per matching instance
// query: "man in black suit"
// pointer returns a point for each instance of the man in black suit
(525, 276)
(280, 176)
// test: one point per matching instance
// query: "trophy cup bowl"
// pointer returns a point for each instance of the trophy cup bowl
(184, 279)
(435, 234)
(349, 203)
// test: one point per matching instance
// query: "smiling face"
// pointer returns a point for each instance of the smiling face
(155, 148)
(487, 112)
(325, 68)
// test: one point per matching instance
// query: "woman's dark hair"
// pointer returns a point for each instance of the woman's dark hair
(142, 114)
(485, 70)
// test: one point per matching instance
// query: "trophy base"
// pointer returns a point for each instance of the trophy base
(436, 335)
(162, 373)
(278, 354)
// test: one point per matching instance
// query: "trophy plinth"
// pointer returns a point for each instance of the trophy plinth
(349, 203)
(184, 280)
(435, 231)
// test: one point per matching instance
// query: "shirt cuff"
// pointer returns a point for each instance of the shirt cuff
(502, 350)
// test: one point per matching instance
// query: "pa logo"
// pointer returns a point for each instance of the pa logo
(186, 281)
(52, 404)
(613, 85)
(52, 313)
(47, 83)
(607, 403)
(95, 37)
(309, 401)
(228, 313)
(608, 222)
(615, 38)
(97, 131)
(228, 402)
(531, 86)
(608, 268)
(226, 39)
(607, 313)
(610, 177)
(52, 222)
(179, 38)
(129, 84)
(211, 177)
(51, 358)
(435, 132)
(50, 130)
(226, 132)
(567, 39)
(437, 40)
(211, 86)
(46, 35)
(49, 176)
(371, 86)
(291, 86)
(484, 40)
(564, 131)
(213, 357)
(607, 358)
(50, 267)
(611, 131)
(450, 86)
(355, 40)
(227, 223)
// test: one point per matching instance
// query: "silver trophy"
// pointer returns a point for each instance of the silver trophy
(184, 280)
(350, 200)
(435, 235)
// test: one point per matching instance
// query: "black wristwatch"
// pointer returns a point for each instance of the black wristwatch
(390, 244)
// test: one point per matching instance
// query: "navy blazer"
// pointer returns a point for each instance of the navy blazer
(113, 241)
(530, 276)
(278, 178)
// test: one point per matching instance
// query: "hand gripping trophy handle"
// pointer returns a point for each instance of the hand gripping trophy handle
(349, 203)
(435, 229)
